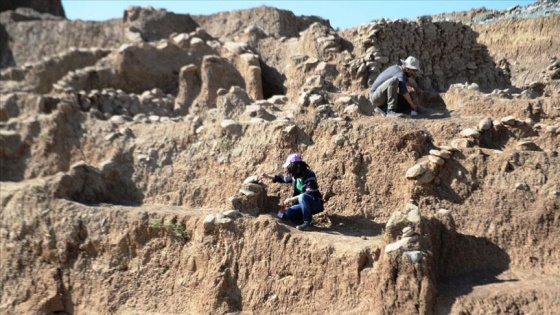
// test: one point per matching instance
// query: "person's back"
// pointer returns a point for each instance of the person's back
(394, 71)
(391, 85)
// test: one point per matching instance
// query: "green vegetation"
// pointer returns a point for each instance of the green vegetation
(173, 228)
(226, 145)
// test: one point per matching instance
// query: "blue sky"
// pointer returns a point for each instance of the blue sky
(341, 14)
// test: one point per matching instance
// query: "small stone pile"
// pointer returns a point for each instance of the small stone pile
(553, 70)
(251, 198)
(401, 231)
(426, 172)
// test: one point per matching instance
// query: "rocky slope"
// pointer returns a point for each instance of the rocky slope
(128, 163)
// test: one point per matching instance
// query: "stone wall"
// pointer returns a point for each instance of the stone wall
(53, 7)
(274, 22)
(31, 41)
(149, 24)
(448, 53)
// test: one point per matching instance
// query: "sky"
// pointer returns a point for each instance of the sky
(341, 14)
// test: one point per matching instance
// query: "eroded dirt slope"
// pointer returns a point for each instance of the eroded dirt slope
(127, 176)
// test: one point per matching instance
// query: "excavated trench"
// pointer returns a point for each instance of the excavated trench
(112, 204)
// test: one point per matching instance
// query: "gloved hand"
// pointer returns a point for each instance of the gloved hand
(413, 113)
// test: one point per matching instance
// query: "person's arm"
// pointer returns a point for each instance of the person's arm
(410, 101)
(416, 88)
(277, 178)
(290, 201)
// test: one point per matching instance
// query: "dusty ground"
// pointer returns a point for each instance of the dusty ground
(106, 213)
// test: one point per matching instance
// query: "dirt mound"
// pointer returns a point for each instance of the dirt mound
(128, 168)
(52, 7)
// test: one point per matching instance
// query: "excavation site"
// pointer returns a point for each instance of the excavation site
(137, 158)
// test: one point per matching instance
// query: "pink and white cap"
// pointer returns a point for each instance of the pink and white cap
(294, 157)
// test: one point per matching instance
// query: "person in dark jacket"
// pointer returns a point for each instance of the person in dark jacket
(306, 198)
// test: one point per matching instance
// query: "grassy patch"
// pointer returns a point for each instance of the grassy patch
(172, 228)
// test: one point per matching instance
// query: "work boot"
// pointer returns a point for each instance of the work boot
(391, 113)
(305, 226)
(380, 111)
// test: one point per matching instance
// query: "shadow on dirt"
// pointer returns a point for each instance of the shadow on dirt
(432, 106)
(464, 262)
(463, 285)
(349, 225)
(335, 224)
(499, 139)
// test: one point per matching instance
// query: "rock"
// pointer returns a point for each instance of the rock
(413, 214)
(231, 126)
(339, 140)
(209, 223)
(352, 110)
(251, 179)
(344, 100)
(426, 178)
(232, 214)
(278, 99)
(324, 109)
(401, 243)
(315, 100)
(508, 120)
(416, 170)
(127, 132)
(442, 154)
(522, 186)
(436, 160)
(485, 124)
(414, 256)
(117, 120)
(142, 158)
(250, 189)
(552, 129)
(527, 145)
(112, 136)
(461, 143)
(254, 111)
(470, 133)
(473, 86)
(153, 154)
(448, 148)
(407, 231)
(10, 143)
(497, 123)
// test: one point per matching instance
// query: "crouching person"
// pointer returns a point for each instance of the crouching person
(306, 198)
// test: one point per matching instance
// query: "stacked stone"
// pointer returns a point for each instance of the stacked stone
(553, 71)
(109, 102)
(448, 52)
(402, 231)
(43, 74)
(251, 197)
(327, 42)
(426, 172)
